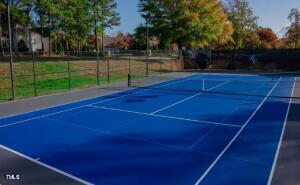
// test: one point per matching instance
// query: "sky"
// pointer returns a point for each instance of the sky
(271, 13)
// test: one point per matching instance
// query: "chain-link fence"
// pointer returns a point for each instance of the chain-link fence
(243, 59)
(37, 74)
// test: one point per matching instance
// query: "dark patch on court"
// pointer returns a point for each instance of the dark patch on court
(31, 173)
(287, 171)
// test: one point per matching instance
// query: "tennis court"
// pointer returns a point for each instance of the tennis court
(199, 129)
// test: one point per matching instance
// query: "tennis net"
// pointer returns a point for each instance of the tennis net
(254, 86)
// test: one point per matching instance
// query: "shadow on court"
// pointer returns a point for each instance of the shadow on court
(288, 164)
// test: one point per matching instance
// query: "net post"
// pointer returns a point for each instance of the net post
(129, 80)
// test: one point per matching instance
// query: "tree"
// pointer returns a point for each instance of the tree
(105, 16)
(19, 18)
(267, 37)
(141, 37)
(123, 41)
(252, 41)
(154, 42)
(293, 33)
(46, 12)
(68, 23)
(158, 19)
(82, 23)
(40, 7)
(2, 7)
(96, 9)
(189, 23)
(244, 22)
(110, 17)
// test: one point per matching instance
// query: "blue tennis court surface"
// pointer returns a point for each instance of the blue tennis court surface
(206, 132)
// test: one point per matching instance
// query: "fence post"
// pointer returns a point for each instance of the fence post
(171, 63)
(129, 65)
(11, 55)
(97, 70)
(181, 61)
(108, 69)
(210, 57)
(34, 74)
(160, 63)
(147, 62)
(69, 67)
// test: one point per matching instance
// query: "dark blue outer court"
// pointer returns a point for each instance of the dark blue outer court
(154, 136)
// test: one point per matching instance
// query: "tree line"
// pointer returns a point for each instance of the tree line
(80, 25)
(212, 24)
(69, 24)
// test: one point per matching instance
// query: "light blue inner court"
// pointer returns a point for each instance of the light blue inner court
(162, 136)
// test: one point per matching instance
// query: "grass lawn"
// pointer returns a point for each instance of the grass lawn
(53, 76)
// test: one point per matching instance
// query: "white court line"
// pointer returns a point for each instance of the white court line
(46, 166)
(281, 137)
(162, 116)
(226, 74)
(236, 136)
(38, 117)
(75, 108)
(241, 104)
(188, 98)
(78, 101)
(202, 137)
(198, 121)
(124, 136)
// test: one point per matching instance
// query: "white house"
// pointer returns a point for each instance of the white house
(35, 41)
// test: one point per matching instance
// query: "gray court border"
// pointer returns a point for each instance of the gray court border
(52, 175)
(286, 171)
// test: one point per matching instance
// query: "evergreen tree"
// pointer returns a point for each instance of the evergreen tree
(105, 16)
(110, 17)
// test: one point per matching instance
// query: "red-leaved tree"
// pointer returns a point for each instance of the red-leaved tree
(267, 37)
(123, 41)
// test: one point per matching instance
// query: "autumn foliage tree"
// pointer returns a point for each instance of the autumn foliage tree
(268, 39)
(123, 41)
(189, 23)
(293, 33)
